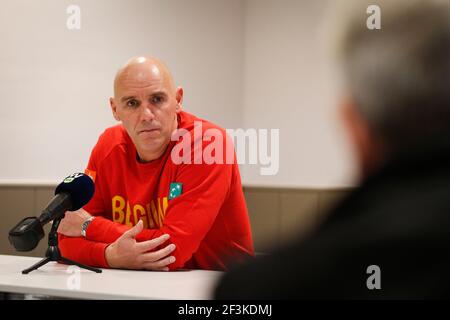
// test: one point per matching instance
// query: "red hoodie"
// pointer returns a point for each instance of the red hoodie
(201, 206)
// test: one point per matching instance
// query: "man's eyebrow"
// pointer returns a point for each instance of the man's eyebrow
(158, 93)
(123, 99)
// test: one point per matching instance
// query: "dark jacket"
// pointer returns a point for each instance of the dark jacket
(398, 220)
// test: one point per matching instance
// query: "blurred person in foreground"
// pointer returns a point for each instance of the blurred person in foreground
(390, 238)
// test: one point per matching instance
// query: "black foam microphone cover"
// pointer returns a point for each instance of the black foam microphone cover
(80, 187)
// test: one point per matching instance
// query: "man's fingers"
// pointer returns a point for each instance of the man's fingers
(145, 246)
(158, 255)
(160, 264)
(133, 232)
(156, 269)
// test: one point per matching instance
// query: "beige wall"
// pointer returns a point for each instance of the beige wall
(290, 83)
(276, 215)
(55, 83)
(243, 63)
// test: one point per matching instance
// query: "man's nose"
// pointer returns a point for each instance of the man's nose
(147, 113)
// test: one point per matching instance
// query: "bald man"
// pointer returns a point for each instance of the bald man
(150, 211)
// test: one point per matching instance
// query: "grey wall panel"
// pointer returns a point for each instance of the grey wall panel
(264, 210)
(277, 215)
(299, 211)
(17, 203)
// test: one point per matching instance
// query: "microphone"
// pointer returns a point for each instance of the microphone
(73, 193)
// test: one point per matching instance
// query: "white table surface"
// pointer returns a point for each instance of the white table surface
(60, 280)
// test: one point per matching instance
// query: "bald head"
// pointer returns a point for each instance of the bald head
(147, 103)
(139, 71)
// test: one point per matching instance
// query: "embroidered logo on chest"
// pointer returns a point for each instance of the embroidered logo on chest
(175, 189)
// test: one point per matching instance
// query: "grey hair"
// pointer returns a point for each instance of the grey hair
(399, 76)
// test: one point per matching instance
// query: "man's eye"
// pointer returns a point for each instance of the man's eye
(157, 99)
(132, 103)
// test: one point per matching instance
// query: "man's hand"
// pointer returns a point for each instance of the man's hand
(71, 224)
(127, 253)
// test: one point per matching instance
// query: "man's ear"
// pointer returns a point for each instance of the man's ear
(179, 97)
(114, 108)
(364, 141)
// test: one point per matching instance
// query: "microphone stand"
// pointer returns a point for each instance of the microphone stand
(53, 253)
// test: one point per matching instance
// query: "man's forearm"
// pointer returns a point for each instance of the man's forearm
(83, 251)
(104, 230)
